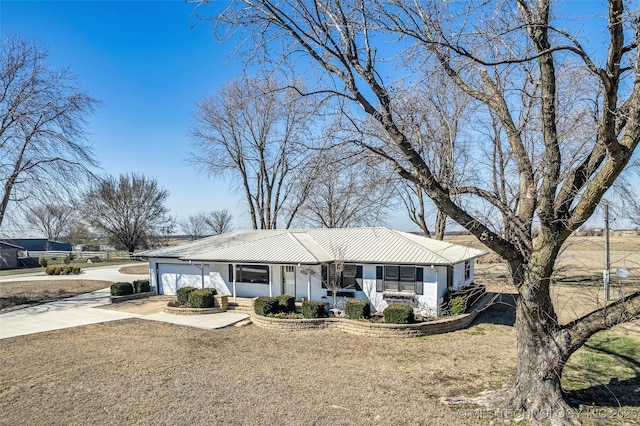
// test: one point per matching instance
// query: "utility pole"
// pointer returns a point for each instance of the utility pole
(607, 271)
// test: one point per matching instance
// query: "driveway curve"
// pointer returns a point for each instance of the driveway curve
(88, 308)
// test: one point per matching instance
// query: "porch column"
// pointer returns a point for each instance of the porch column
(270, 282)
(202, 274)
(233, 268)
(309, 284)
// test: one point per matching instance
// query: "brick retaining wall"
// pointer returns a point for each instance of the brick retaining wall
(364, 328)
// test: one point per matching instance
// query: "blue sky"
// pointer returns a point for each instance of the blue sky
(149, 64)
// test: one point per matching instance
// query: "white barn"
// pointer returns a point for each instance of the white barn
(379, 264)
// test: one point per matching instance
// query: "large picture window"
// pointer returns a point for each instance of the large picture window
(255, 274)
(350, 278)
(399, 279)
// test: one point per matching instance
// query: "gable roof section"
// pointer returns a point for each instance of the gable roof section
(313, 246)
(11, 246)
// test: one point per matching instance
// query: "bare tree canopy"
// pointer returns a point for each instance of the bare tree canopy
(52, 219)
(253, 132)
(130, 209)
(567, 123)
(219, 221)
(346, 189)
(42, 120)
(194, 226)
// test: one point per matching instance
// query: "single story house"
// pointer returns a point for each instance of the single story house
(379, 264)
(9, 255)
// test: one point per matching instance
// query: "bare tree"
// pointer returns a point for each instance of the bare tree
(252, 131)
(42, 119)
(432, 115)
(53, 220)
(520, 67)
(347, 189)
(130, 209)
(219, 221)
(194, 226)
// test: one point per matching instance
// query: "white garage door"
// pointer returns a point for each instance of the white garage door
(171, 277)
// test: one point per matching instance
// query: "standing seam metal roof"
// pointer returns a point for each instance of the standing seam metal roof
(313, 246)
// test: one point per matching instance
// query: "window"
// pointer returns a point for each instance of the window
(399, 279)
(256, 274)
(350, 278)
(467, 269)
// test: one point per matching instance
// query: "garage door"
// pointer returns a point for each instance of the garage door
(171, 277)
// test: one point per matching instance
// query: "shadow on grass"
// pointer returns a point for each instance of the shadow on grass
(625, 393)
(501, 312)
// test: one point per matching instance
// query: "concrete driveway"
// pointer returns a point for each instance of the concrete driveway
(91, 308)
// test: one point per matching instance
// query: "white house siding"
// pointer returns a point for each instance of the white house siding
(169, 276)
(174, 274)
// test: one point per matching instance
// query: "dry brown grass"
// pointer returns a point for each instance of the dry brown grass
(147, 372)
(17, 293)
(135, 269)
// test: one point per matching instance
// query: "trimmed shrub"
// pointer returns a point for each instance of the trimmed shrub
(50, 270)
(66, 270)
(141, 286)
(43, 262)
(202, 298)
(264, 305)
(311, 309)
(457, 305)
(287, 303)
(357, 309)
(121, 289)
(183, 294)
(398, 313)
(76, 270)
(57, 270)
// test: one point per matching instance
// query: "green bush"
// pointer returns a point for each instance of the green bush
(121, 289)
(264, 305)
(287, 303)
(398, 313)
(183, 294)
(457, 305)
(66, 270)
(43, 262)
(311, 309)
(76, 270)
(57, 270)
(202, 298)
(50, 270)
(357, 309)
(141, 286)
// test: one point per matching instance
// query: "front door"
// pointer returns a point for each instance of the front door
(289, 280)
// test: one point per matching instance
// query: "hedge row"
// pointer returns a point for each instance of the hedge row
(62, 270)
(126, 288)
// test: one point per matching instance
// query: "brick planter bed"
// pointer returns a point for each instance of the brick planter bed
(220, 304)
(134, 296)
(364, 328)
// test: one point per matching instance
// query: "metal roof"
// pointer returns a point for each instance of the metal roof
(313, 246)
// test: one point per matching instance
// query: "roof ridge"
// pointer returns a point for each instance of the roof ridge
(297, 240)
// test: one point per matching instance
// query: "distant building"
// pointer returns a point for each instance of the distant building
(9, 255)
(39, 244)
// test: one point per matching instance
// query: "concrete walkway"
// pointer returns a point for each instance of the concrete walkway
(91, 308)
